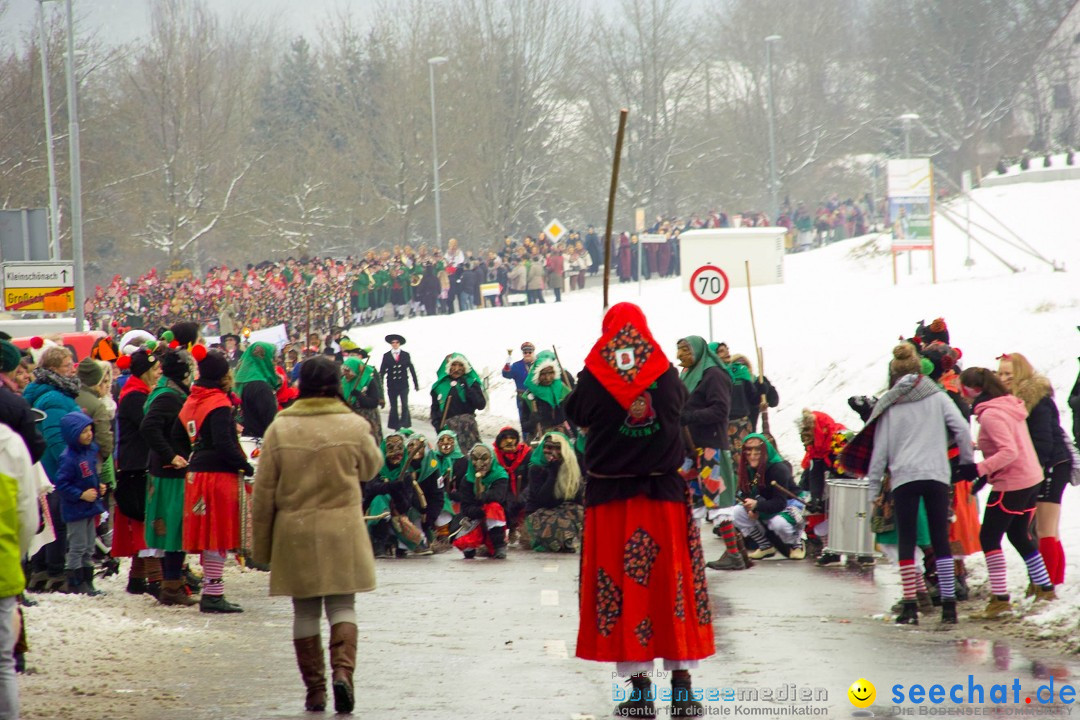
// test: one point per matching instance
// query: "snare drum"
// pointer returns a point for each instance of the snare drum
(849, 518)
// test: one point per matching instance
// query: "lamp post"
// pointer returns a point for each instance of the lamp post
(907, 119)
(432, 62)
(54, 204)
(774, 202)
(76, 176)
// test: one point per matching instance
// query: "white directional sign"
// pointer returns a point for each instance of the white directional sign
(39, 275)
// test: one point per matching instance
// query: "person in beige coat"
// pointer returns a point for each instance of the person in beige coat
(309, 524)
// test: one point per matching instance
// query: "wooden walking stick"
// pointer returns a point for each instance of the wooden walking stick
(611, 202)
(757, 352)
(446, 406)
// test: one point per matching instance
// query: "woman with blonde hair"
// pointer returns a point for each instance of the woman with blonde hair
(1051, 447)
(554, 514)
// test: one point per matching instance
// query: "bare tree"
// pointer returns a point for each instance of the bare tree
(186, 119)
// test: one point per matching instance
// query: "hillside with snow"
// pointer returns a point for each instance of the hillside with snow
(827, 332)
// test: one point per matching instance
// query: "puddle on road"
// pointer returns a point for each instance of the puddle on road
(1001, 656)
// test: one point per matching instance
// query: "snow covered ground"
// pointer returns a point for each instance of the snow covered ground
(828, 330)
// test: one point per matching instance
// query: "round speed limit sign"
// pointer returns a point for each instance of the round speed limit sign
(709, 284)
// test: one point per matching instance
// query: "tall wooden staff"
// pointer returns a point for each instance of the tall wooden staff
(611, 202)
(757, 352)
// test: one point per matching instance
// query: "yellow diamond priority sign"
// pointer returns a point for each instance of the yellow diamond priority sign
(555, 230)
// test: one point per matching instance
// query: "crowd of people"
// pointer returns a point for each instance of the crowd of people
(162, 451)
(308, 294)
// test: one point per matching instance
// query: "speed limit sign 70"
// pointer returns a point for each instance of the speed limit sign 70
(709, 284)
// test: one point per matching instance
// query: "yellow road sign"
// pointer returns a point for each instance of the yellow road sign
(42, 299)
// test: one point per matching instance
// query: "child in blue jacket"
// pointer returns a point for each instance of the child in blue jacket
(80, 491)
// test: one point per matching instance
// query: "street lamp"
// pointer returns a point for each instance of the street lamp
(432, 62)
(907, 119)
(774, 208)
(54, 204)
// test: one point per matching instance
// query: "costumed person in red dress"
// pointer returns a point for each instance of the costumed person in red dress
(213, 493)
(643, 594)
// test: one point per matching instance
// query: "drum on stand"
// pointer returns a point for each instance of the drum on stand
(849, 518)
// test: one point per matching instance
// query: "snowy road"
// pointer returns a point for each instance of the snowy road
(447, 638)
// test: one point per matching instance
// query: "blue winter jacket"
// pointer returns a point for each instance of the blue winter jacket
(55, 404)
(78, 470)
(518, 372)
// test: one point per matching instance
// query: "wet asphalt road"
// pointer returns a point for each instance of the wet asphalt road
(447, 638)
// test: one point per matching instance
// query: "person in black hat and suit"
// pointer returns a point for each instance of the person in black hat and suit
(395, 365)
(231, 348)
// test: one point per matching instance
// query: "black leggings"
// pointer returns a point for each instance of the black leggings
(935, 497)
(1009, 513)
(1053, 485)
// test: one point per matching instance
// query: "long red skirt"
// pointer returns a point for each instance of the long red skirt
(128, 535)
(643, 593)
(212, 512)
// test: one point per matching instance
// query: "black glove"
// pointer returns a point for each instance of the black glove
(967, 471)
(474, 512)
(978, 485)
(248, 470)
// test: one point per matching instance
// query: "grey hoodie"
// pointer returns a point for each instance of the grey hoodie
(911, 442)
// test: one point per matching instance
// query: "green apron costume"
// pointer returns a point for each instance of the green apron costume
(720, 463)
(164, 524)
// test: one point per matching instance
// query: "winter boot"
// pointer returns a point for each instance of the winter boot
(997, 608)
(909, 615)
(37, 581)
(926, 605)
(798, 552)
(682, 704)
(153, 588)
(948, 612)
(174, 592)
(136, 585)
(217, 604)
(1045, 593)
(75, 584)
(88, 582)
(642, 700)
(342, 664)
(730, 561)
(497, 535)
(312, 663)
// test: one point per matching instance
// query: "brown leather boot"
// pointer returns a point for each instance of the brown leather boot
(342, 664)
(173, 592)
(312, 663)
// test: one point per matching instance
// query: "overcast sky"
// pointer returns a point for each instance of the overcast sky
(119, 21)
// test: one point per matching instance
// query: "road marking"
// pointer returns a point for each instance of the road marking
(555, 648)
(551, 567)
(549, 597)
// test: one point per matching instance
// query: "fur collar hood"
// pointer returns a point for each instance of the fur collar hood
(316, 406)
(1033, 390)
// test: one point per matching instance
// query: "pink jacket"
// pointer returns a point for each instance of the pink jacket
(1009, 459)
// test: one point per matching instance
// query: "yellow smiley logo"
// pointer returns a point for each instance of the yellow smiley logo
(862, 693)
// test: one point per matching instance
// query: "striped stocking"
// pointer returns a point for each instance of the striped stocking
(946, 573)
(995, 567)
(909, 575)
(213, 568)
(1037, 570)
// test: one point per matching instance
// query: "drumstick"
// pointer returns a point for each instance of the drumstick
(784, 490)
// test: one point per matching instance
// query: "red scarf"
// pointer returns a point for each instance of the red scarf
(626, 359)
(134, 384)
(512, 461)
(821, 449)
(198, 405)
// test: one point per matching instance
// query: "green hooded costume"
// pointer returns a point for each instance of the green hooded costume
(552, 394)
(442, 388)
(536, 457)
(253, 367)
(704, 358)
(360, 380)
(739, 373)
(446, 462)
